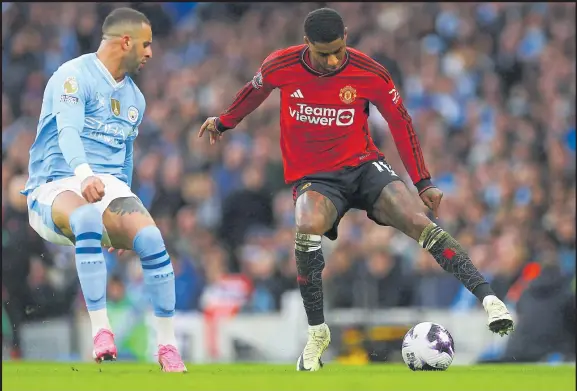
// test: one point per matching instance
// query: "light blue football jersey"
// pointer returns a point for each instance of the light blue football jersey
(82, 94)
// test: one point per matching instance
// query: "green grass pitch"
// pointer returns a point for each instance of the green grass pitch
(30, 376)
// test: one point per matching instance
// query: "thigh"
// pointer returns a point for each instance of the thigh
(124, 218)
(49, 209)
(123, 214)
(64, 205)
(320, 199)
(372, 178)
(397, 207)
(51, 205)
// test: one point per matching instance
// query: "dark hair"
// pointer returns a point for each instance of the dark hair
(123, 15)
(324, 25)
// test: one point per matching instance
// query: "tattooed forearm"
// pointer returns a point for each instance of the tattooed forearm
(123, 206)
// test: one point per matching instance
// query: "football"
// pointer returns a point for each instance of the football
(428, 347)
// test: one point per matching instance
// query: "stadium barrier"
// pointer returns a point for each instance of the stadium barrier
(358, 336)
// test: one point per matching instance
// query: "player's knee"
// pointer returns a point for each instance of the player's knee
(148, 239)
(86, 218)
(416, 224)
(418, 220)
(311, 224)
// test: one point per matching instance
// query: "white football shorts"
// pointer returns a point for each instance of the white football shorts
(41, 199)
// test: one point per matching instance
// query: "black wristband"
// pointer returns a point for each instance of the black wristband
(219, 126)
(423, 185)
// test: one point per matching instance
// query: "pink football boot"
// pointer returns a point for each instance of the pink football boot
(169, 359)
(104, 346)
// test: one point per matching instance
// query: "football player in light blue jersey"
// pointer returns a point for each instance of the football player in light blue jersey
(80, 169)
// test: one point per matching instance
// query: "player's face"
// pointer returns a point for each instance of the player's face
(327, 57)
(140, 49)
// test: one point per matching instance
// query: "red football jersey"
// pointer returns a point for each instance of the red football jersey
(324, 117)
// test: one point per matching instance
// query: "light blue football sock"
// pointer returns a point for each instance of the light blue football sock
(157, 269)
(87, 227)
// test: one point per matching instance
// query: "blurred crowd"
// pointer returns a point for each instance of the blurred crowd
(490, 87)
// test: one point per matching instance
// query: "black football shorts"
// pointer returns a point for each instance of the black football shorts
(350, 187)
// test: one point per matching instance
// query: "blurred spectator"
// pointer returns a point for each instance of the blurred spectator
(433, 287)
(168, 199)
(339, 275)
(546, 317)
(225, 293)
(188, 282)
(127, 319)
(246, 208)
(34, 288)
(383, 282)
(260, 265)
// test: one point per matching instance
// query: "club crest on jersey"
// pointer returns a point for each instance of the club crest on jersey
(132, 114)
(115, 105)
(70, 85)
(348, 94)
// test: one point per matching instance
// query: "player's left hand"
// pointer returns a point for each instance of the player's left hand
(210, 126)
(432, 199)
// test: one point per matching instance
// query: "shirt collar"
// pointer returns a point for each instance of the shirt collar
(107, 75)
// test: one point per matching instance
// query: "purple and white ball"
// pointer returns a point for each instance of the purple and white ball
(428, 347)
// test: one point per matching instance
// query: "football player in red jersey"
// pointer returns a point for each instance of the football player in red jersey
(334, 165)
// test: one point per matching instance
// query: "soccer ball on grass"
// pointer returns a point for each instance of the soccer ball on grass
(428, 347)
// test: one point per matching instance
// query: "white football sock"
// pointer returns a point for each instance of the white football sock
(99, 320)
(165, 331)
(317, 327)
(489, 299)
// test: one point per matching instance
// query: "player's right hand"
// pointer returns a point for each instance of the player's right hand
(92, 189)
(432, 199)
(210, 126)
(120, 251)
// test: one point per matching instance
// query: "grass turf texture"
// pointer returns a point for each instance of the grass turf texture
(30, 376)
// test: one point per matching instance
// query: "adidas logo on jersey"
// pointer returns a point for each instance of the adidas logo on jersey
(297, 94)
